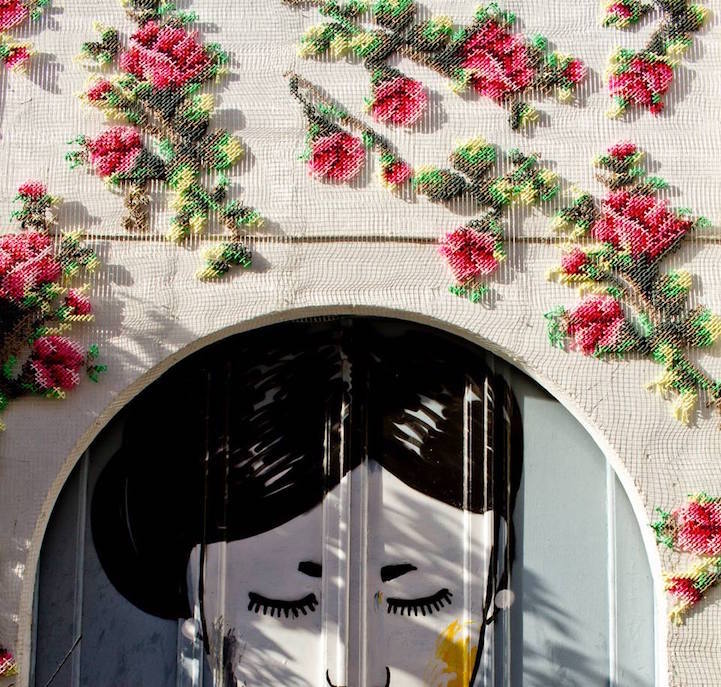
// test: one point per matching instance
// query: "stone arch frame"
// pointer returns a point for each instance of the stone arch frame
(104, 418)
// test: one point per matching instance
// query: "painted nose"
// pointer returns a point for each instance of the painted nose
(387, 682)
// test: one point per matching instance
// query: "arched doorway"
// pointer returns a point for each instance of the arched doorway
(355, 501)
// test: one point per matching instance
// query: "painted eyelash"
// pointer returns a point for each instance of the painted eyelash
(426, 604)
(258, 603)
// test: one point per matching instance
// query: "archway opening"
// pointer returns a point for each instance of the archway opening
(398, 437)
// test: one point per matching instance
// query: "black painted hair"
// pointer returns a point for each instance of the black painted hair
(246, 434)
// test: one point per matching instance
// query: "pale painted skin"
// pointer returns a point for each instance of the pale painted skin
(449, 548)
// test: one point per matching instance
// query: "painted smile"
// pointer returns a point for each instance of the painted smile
(387, 684)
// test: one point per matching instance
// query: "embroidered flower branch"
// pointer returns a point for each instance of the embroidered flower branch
(693, 528)
(8, 667)
(628, 304)
(475, 250)
(39, 304)
(472, 251)
(643, 78)
(157, 91)
(14, 54)
(485, 56)
(332, 153)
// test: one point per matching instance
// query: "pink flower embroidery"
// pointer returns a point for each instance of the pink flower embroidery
(99, 90)
(400, 101)
(17, 57)
(337, 157)
(575, 71)
(619, 11)
(7, 663)
(470, 253)
(34, 190)
(643, 82)
(698, 528)
(498, 61)
(166, 56)
(396, 173)
(597, 322)
(12, 13)
(572, 262)
(26, 262)
(115, 151)
(622, 150)
(78, 303)
(55, 363)
(683, 588)
(640, 223)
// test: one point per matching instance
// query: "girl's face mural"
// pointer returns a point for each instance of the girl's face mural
(410, 614)
(331, 504)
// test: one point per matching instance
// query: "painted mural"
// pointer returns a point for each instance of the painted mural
(330, 512)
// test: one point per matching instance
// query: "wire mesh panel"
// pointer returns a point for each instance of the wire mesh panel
(351, 503)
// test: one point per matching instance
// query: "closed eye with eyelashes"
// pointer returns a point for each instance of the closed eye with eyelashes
(259, 603)
(426, 605)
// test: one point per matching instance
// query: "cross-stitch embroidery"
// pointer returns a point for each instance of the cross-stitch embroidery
(692, 528)
(15, 54)
(624, 13)
(157, 91)
(8, 667)
(485, 56)
(39, 304)
(474, 250)
(643, 78)
(629, 305)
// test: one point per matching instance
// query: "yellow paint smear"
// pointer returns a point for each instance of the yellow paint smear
(457, 654)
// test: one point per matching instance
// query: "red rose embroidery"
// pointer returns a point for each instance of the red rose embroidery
(470, 253)
(400, 101)
(55, 363)
(33, 190)
(338, 157)
(17, 57)
(26, 262)
(572, 262)
(575, 71)
(597, 322)
(622, 150)
(396, 173)
(12, 13)
(498, 61)
(683, 588)
(165, 56)
(78, 303)
(619, 11)
(99, 90)
(698, 528)
(7, 663)
(115, 151)
(642, 82)
(640, 223)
